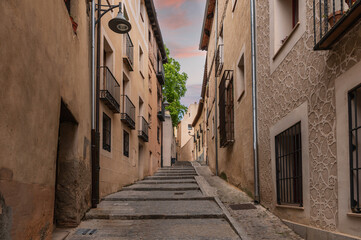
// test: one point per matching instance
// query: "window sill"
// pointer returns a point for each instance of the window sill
(286, 41)
(290, 207)
(351, 214)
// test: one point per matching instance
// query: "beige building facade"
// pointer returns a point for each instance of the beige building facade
(307, 114)
(45, 165)
(134, 130)
(185, 140)
(45, 154)
(226, 38)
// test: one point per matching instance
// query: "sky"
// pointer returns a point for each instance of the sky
(181, 25)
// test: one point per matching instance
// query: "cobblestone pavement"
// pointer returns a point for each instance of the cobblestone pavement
(168, 205)
(257, 223)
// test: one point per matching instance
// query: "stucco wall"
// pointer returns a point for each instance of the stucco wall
(167, 140)
(304, 76)
(44, 61)
(235, 160)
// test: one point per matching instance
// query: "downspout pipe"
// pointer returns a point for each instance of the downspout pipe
(254, 100)
(215, 89)
(95, 78)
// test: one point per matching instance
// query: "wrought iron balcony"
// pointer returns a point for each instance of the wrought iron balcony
(143, 129)
(110, 90)
(128, 112)
(332, 19)
(161, 112)
(128, 58)
(160, 74)
(219, 59)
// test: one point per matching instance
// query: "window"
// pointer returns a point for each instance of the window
(106, 132)
(125, 143)
(289, 166)
(158, 134)
(226, 109)
(189, 126)
(150, 36)
(141, 60)
(354, 106)
(240, 78)
(286, 19)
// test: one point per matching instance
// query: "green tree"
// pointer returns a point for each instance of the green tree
(174, 88)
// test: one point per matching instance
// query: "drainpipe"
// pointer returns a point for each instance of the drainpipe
(215, 89)
(254, 101)
(95, 106)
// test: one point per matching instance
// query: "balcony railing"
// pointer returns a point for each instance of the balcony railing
(128, 112)
(219, 59)
(332, 19)
(110, 91)
(161, 112)
(128, 58)
(143, 129)
(160, 73)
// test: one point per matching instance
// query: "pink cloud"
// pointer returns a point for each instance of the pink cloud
(187, 52)
(176, 21)
(169, 3)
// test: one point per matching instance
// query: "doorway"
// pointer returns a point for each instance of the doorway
(65, 197)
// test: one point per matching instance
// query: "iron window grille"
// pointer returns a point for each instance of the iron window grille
(226, 109)
(125, 143)
(106, 132)
(332, 19)
(354, 103)
(289, 166)
(143, 129)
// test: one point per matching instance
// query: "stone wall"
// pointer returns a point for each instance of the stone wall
(308, 76)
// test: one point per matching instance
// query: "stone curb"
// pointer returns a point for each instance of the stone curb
(207, 191)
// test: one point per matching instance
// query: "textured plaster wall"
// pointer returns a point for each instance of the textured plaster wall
(43, 62)
(303, 76)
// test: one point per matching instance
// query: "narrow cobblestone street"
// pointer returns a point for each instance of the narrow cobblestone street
(179, 202)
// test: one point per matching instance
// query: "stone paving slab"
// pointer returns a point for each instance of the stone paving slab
(162, 229)
(169, 177)
(175, 174)
(169, 181)
(257, 223)
(154, 195)
(155, 210)
(163, 187)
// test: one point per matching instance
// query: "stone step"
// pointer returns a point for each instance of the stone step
(156, 195)
(162, 187)
(174, 174)
(169, 177)
(177, 172)
(169, 181)
(162, 229)
(155, 210)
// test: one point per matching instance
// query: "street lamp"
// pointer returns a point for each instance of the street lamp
(118, 25)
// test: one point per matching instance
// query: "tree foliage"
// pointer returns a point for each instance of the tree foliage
(174, 88)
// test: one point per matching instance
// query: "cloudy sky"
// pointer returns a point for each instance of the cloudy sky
(181, 25)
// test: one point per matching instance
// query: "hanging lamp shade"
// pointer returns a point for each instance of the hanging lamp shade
(119, 24)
